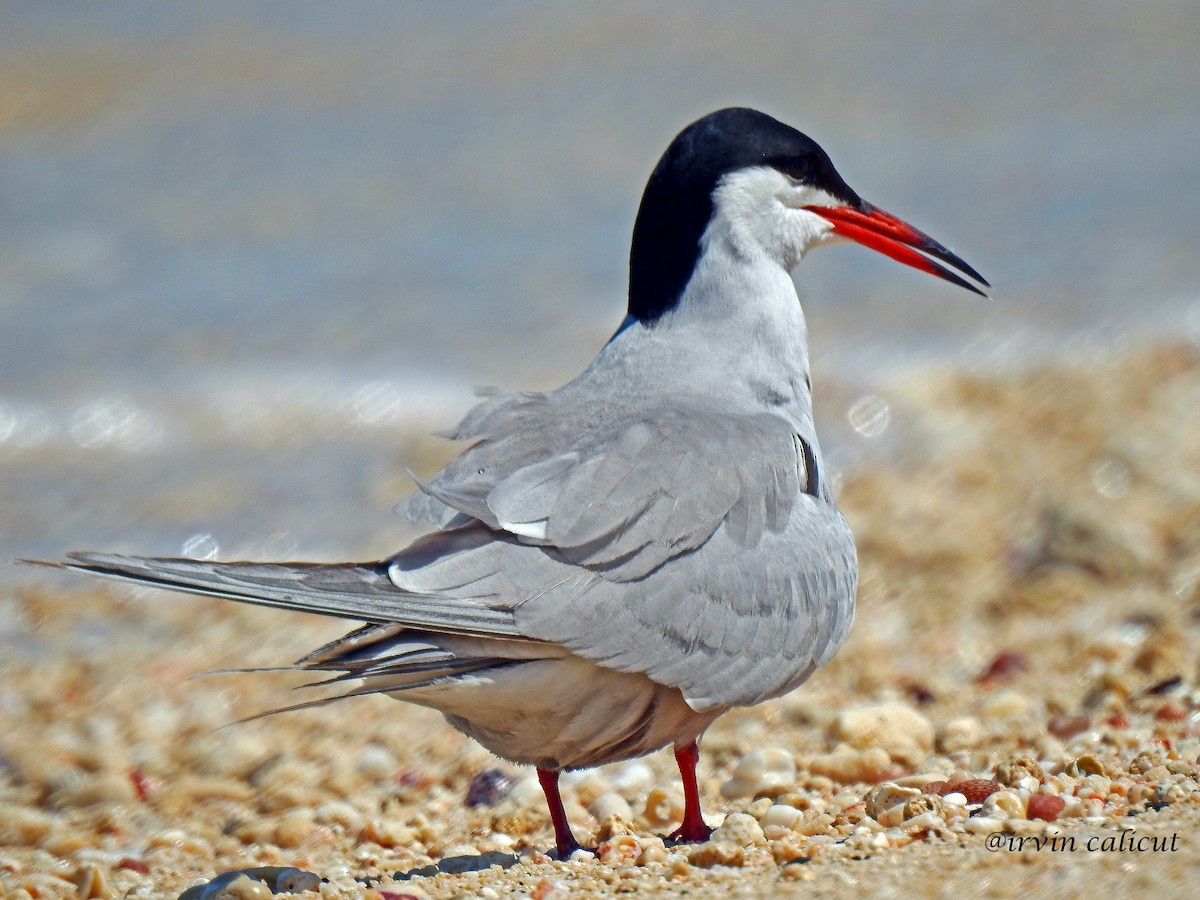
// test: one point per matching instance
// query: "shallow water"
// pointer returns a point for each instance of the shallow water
(247, 249)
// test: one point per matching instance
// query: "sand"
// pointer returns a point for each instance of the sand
(1028, 615)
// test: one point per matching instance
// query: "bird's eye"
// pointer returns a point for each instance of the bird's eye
(796, 169)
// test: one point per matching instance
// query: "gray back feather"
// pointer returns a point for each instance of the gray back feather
(754, 568)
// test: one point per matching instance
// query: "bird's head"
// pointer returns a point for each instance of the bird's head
(774, 192)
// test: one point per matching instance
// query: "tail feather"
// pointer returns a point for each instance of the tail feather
(344, 590)
(410, 642)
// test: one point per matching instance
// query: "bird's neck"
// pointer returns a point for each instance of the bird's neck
(736, 334)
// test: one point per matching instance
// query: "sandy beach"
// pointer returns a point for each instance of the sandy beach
(1025, 646)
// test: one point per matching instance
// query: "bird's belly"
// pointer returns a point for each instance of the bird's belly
(564, 713)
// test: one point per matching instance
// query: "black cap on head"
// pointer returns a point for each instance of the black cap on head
(677, 203)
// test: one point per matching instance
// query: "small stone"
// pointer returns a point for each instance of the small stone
(652, 852)
(242, 888)
(1005, 705)
(663, 806)
(717, 853)
(1081, 767)
(549, 889)
(376, 762)
(632, 778)
(759, 772)
(587, 785)
(786, 851)
(964, 733)
(1170, 712)
(1065, 726)
(975, 790)
(91, 883)
(740, 829)
(21, 826)
(982, 825)
(780, 815)
(339, 812)
(388, 833)
(1005, 804)
(294, 829)
(1011, 771)
(894, 727)
(489, 787)
(885, 796)
(94, 790)
(795, 872)
(1045, 806)
(1004, 665)
(610, 805)
(848, 766)
(619, 850)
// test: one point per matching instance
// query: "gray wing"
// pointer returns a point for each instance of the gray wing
(753, 568)
(628, 497)
(726, 624)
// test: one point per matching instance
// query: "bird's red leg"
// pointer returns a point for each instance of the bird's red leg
(563, 839)
(694, 829)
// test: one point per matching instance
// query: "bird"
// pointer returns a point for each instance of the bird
(613, 564)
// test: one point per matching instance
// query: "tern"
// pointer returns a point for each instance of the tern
(615, 563)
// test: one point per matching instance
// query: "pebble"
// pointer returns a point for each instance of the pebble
(741, 829)
(895, 727)
(21, 826)
(973, 790)
(1005, 804)
(527, 791)
(717, 853)
(255, 883)
(884, 797)
(847, 765)
(1011, 771)
(341, 813)
(488, 787)
(921, 810)
(1006, 704)
(964, 733)
(1083, 766)
(652, 853)
(632, 777)
(79, 790)
(1004, 665)
(610, 805)
(549, 889)
(780, 815)
(376, 762)
(91, 883)
(1045, 806)
(663, 806)
(761, 771)
(983, 824)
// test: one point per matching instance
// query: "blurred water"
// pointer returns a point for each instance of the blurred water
(247, 247)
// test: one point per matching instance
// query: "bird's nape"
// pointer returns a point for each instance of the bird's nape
(872, 227)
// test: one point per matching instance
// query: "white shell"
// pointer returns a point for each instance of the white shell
(1005, 804)
(886, 796)
(758, 771)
